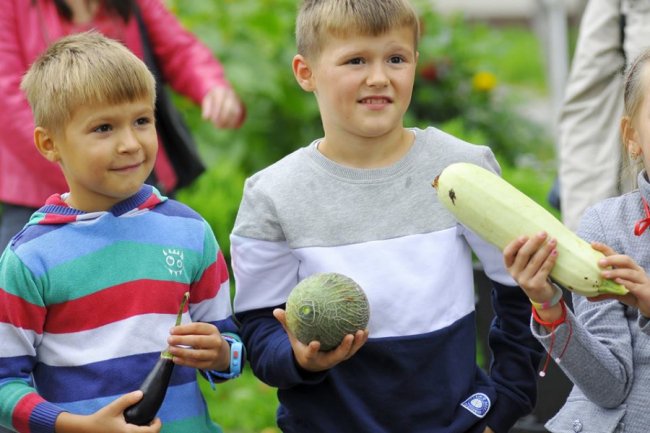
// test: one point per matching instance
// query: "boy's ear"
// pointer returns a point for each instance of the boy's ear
(44, 142)
(303, 73)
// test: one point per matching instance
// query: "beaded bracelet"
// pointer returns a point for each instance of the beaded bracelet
(550, 303)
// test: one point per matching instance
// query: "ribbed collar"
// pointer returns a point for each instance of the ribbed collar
(57, 211)
(355, 175)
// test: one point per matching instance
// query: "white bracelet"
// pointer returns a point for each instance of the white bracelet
(550, 303)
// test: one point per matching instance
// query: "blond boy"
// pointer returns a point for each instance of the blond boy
(89, 289)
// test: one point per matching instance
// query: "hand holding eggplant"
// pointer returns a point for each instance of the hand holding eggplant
(109, 419)
(155, 384)
(199, 345)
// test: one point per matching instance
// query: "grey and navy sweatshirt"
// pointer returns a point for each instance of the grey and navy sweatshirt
(385, 229)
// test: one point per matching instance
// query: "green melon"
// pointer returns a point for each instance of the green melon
(326, 307)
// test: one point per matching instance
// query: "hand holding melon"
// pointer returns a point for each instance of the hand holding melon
(325, 308)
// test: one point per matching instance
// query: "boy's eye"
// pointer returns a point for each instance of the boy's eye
(356, 61)
(143, 121)
(103, 128)
(396, 59)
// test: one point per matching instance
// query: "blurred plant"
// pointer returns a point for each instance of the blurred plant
(455, 91)
(256, 48)
(484, 81)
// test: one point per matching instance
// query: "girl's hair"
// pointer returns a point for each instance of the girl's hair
(122, 8)
(84, 69)
(318, 19)
(634, 90)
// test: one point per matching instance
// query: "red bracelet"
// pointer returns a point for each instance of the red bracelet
(553, 325)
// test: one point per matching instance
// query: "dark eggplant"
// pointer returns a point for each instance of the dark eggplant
(155, 385)
(154, 388)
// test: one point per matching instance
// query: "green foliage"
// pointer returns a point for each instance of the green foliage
(458, 89)
(534, 181)
(216, 196)
(242, 405)
(256, 47)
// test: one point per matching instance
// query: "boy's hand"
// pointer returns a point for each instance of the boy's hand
(199, 345)
(109, 419)
(530, 261)
(310, 358)
(627, 272)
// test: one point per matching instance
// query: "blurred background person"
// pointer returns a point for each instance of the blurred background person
(592, 162)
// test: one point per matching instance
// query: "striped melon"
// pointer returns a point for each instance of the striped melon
(326, 307)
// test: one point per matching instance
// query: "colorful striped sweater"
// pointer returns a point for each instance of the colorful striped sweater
(385, 229)
(86, 304)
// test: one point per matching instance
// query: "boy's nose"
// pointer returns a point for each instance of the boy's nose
(128, 142)
(377, 76)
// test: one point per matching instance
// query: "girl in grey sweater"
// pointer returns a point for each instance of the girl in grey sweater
(603, 346)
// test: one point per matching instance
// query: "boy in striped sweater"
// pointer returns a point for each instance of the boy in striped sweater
(89, 289)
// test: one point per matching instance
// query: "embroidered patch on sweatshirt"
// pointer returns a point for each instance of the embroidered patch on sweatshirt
(478, 404)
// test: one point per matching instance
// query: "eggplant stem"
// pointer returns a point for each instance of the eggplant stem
(186, 296)
(179, 316)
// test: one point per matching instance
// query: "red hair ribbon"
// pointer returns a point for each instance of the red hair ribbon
(644, 223)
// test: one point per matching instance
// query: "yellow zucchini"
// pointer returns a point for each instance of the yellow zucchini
(499, 213)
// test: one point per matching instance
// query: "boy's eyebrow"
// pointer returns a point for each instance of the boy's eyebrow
(104, 115)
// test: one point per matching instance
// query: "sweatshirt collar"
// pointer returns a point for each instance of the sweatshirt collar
(57, 211)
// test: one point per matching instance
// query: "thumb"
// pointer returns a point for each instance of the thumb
(280, 315)
(606, 250)
(127, 400)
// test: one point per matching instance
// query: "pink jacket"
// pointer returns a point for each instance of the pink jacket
(26, 178)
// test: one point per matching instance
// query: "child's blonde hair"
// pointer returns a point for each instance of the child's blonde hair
(635, 88)
(320, 18)
(81, 69)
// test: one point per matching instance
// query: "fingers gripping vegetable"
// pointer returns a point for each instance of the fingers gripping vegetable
(155, 384)
(499, 213)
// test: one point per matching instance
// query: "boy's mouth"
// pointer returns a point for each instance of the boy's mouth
(127, 167)
(374, 100)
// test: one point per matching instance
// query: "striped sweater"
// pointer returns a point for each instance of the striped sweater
(86, 304)
(385, 229)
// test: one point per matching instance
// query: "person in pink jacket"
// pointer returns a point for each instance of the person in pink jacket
(27, 27)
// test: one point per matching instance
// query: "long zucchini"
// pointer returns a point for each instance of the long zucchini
(499, 213)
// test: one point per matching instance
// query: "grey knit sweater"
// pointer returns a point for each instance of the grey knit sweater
(607, 354)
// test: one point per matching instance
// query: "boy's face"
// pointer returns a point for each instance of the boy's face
(363, 83)
(105, 151)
